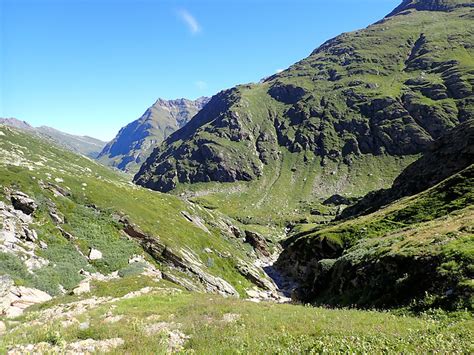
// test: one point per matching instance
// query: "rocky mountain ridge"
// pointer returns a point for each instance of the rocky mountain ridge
(386, 91)
(84, 145)
(134, 142)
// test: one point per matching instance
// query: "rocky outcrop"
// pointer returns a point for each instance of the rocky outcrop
(252, 274)
(183, 261)
(257, 242)
(95, 254)
(15, 299)
(18, 238)
(23, 202)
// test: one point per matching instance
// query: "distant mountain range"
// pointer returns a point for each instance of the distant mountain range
(135, 142)
(84, 145)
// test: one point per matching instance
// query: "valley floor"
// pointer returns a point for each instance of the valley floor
(137, 315)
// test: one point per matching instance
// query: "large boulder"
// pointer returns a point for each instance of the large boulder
(15, 299)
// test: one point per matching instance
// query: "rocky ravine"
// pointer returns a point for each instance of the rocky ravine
(19, 238)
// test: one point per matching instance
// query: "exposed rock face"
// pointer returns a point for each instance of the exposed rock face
(252, 274)
(257, 242)
(340, 104)
(184, 261)
(134, 143)
(17, 238)
(23, 202)
(15, 299)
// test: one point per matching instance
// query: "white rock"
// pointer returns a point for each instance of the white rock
(95, 254)
(18, 298)
(83, 287)
(3, 328)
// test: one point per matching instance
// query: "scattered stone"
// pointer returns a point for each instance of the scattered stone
(230, 317)
(84, 325)
(176, 340)
(156, 328)
(83, 287)
(69, 322)
(95, 254)
(86, 346)
(113, 319)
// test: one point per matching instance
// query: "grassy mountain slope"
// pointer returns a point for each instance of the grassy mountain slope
(370, 99)
(83, 205)
(135, 142)
(163, 321)
(88, 146)
(450, 154)
(418, 250)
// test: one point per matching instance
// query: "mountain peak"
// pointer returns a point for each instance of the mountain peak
(430, 5)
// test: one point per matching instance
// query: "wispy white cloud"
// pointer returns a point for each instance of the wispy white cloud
(201, 85)
(190, 21)
(278, 71)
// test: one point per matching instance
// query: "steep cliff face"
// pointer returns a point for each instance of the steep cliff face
(134, 143)
(386, 91)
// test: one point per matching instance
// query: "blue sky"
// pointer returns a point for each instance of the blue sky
(92, 66)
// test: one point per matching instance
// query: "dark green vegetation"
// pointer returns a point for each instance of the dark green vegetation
(88, 146)
(417, 252)
(345, 120)
(135, 142)
(226, 326)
